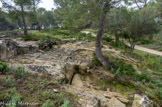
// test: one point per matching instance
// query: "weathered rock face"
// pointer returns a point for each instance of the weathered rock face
(141, 101)
(113, 102)
(90, 97)
(60, 62)
(10, 48)
(88, 101)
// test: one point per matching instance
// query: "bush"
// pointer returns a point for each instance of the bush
(42, 41)
(30, 36)
(66, 103)
(124, 69)
(137, 84)
(159, 93)
(48, 103)
(13, 98)
(144, 76)
(3, 68)
(144, 42)
(6, 82)
(19, 73)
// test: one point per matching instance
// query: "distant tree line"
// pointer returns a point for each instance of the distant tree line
(25, 14)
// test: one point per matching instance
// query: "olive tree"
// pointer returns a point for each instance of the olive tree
(138, 24)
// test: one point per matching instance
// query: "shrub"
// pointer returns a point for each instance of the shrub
(42, 41)
(57, 81)
(3, 68)
(13, 98)
(124, 69)
(48, 103)
(59, 98)
(137, 84)
(66, 103)
(6, 82)
(159, 93)
(19, 73)
(144, 76)
(30, 36)
(144, 42)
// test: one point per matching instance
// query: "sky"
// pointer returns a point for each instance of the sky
(48, 4)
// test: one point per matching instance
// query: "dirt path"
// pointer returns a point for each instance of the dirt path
(86, 32)
(151, 51)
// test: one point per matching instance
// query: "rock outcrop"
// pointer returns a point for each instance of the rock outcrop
(69, 63)
(141, 101)
(10, 48)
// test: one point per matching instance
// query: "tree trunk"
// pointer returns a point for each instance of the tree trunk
(24, 23)
(39, 28)
(150, 37)
(132, 48)
(98, 50)
(116, 36)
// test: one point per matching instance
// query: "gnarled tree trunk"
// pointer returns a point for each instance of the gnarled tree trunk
(98, 50)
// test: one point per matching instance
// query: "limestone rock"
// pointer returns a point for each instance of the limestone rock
(88, 101)
(10, 48)
(141, 101)
(113, 102)
(77, 81)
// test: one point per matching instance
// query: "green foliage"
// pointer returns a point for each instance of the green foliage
(149, 61)
(19, 73)
(6, 82)
(57, 82)
(159, 93)
(66, 103)
(6, 23)
(48, 103)
(137, 84)
(58, 31)
(144, 42)
(74, 15)
(13, 98)
(42, 41)
(125, 69)
(144, 76)
(3, 68)
(118, 45)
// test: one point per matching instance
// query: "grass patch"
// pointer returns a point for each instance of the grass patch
(56, 34)
(20, 86)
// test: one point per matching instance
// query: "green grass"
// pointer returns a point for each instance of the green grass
(56, 34)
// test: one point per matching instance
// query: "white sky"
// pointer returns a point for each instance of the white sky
(48, 4)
